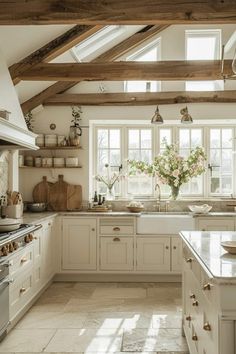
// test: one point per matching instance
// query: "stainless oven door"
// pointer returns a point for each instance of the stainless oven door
(4, 305)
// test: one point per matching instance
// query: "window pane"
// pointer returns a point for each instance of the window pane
(102, 138)
(215, 138)
(227, 141)
(226, 184)
(146, 138)
(134, 155)
(115, 158)
(226, 161)
(196, 138)
(140, 185)
(184, 138)
(165, 134)
(215, 157)
(146, 155)
(102, 160)
(114, 138)
(133, 138)
(201, 48)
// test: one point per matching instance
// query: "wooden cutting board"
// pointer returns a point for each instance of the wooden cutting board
(74, 197)
(41, 191)
(58, 195)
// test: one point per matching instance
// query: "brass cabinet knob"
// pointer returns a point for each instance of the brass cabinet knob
(93, 229)
(189, 260)
(192, 296)
(194, 337)
(116, 239)
(207, 286)
(23, 260)
(22, 290)
(203, 229)
(195, 303)
(116, 228)
(167, 247)
(207, 326)
(188, 318)
(174, 247)
(35, 238)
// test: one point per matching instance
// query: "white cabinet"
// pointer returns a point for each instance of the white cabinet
(215, 224)
(116, 253)
(176, 254)
(153, 254)
(79, 244)
(47, 264)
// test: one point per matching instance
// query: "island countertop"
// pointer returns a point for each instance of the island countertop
(206, 246)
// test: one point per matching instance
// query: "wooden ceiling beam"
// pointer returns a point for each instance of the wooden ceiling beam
(130, 12)
(52, 49)
(127, 70)
(112, 54)
(141, 99)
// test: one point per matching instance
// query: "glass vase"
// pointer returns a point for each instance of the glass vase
(110, 194)
(174, 192)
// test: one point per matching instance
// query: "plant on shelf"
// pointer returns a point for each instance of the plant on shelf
(109, 180)
(171, 168)
(75, 129)
(29, 120)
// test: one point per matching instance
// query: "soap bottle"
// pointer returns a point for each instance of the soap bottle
(95, 199)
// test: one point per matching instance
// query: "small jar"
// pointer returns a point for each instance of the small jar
(40, 140)
(50, 140)
(60, 140)
(58, 162)
(47, 162)
(38, 161)
(21, 160)
(29, 161)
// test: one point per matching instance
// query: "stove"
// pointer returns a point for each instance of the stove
(13, 240)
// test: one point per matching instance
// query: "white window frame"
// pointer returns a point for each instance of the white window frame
(217, 34)
(144, 49)
(155, 146)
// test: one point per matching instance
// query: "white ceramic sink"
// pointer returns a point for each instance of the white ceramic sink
(164, 223)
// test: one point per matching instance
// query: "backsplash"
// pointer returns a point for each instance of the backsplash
(4, 168)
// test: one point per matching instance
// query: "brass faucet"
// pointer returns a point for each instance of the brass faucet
(157, 187)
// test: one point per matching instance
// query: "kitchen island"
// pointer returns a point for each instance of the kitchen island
(209, 292)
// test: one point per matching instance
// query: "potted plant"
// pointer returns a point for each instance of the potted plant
(75, 129)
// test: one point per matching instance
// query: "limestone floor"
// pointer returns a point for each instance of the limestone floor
(102, 318)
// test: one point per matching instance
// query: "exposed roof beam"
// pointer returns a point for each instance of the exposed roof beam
(141, 99)
(127, 70)
(111, 54)
(52, 49)
(91, 12)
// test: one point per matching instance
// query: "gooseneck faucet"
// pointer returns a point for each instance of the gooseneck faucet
(157, 187)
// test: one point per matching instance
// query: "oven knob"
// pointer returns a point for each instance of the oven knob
(27, 239)
(31, 237)
(11, 247)
(15, 245)
(4, 251)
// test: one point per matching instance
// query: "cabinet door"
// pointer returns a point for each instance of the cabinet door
(176, 254)
(213, 224)
(153, 253)
(47, 251)
(79, 244)
(117, 253)
(38, 262)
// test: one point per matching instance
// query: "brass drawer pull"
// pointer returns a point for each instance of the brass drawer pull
(167, 247)
(189, 260)
(116, 229)
(174, 247)
(188, 318)
(192, 296)
(116, 239)
(206, 286)
(35, 238)
(194, 337)
(23, 260)
(195, 303)
(22, 290)
(207, 326)
(93, 229)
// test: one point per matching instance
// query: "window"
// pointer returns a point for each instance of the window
(140, 148)
(221, 162)
(203, 45)
(115, 144)
(190, 138)
(108, 147)
(148, 53)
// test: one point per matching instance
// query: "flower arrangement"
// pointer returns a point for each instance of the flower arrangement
(76, 113)
(29, 120)
(109, 180)
(75, 129)
(171, 168)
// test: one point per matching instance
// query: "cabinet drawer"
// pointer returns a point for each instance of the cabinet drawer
(22, 261)
(116, 253)
(21, 291)
(116, 227)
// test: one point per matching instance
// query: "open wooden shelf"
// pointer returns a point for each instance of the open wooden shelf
(54, 168)
(59, 148)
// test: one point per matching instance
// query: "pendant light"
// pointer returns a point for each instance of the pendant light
(157, 118)
(186, 118)
(234, 63)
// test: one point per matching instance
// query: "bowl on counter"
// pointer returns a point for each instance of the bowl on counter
(7, 225)
(36, 207)
(229, 246)
(200, 209)
(135, 207)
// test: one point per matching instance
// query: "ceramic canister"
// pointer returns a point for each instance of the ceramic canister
(58, 162)
(29, 161)
(50, 140)
(38, 161)
(40, 140)
(72, 161)
(60, 140)
(21, 160)
(47, 161)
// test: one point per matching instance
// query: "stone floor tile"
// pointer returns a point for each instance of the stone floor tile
(85, 340)
(93, 305)
(119, 293)
(153, 340)
(23, 340)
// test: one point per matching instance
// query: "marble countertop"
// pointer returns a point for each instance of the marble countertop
(36, 218)
(206, 246)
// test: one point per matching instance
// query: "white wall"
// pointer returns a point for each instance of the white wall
(173, 47)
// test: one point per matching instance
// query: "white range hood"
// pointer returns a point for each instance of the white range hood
(15, 137)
